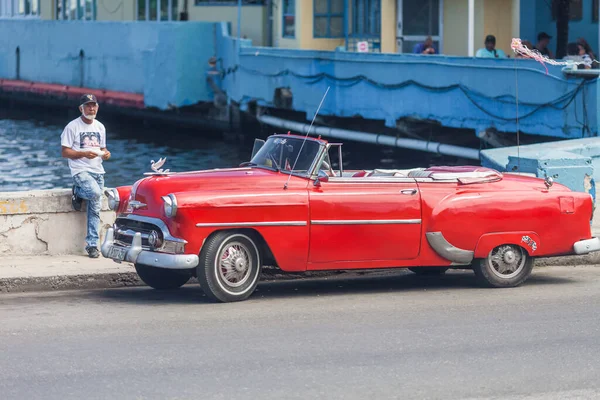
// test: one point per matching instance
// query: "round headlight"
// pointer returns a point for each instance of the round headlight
(113, 198)
(170, 205)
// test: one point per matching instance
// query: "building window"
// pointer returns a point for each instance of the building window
(20, 8)
(328, 18)
(229, 2)
(289, 18)
(84, 10)
(156, 10)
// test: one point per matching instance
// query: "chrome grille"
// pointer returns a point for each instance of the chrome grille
(125, 229)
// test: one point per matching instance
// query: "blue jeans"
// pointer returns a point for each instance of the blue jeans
(89, 186)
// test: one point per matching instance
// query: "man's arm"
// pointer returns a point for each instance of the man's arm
(68, 152)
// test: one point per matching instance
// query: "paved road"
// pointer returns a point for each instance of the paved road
(399, 336)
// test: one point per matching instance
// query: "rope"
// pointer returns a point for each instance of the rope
(519, 48)
(517, 106)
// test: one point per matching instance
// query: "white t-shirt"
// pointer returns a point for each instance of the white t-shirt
(78, 135)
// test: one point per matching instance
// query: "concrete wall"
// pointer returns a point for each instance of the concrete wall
(456, 30)
(455, 91)
(574, 163)
(166, 62)
(43, 222)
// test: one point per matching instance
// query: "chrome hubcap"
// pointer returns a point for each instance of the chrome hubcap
(507, 261)
(235, 264)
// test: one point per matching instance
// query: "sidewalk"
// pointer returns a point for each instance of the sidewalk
(46, 273)
(41, 273)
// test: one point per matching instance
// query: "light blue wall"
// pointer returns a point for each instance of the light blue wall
(164, 61)
(568, 161)
(528, 18)
(458, 92)
(536, 17)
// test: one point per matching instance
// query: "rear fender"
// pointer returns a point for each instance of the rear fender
(530, 241)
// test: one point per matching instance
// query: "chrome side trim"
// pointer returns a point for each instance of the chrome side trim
(445, 249)
(364, 221)
(586, 246)
(371, 179)
(268, 223)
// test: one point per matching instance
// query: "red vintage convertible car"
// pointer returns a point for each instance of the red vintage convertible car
(289, 208)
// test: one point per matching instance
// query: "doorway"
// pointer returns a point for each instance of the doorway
(417, 20)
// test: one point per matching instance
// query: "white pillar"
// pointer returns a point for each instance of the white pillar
(471, 28)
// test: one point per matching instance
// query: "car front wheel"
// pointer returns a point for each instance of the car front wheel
(162, 278)
(507, 265)
(229, 266)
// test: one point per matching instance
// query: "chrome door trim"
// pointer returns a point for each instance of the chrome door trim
(262, 223)
(365, 221)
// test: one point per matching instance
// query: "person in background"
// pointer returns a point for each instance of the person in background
(490, 51)
(542, 44)
(588, 50)
(426, 47)
(576, 53)
(83, 143)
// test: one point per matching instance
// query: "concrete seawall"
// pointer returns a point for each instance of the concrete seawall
(43, 222)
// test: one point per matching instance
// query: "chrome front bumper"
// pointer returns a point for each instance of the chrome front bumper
(135, 254)
(587, 246)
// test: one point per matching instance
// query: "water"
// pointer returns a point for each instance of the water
(30, 151)
(30, 154)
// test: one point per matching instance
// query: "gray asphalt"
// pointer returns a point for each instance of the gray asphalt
(379, 337)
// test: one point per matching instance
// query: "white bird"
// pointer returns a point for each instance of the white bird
(156, 165)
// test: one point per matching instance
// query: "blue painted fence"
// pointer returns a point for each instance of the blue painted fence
(165, 61)
(459, 92)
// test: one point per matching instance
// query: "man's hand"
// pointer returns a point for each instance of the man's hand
(89, 154)
(106, 155)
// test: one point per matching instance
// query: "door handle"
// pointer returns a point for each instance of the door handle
(409, 191)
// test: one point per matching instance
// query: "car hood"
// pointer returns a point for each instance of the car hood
(222, 179)
(149, 190)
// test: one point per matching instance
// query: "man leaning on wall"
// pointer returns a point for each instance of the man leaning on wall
(490, 50)
(84, 145)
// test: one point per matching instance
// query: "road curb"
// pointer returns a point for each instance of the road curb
(111, 280)
(69, 282)
(592, 260)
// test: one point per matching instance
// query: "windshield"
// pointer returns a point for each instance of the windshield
(281, 153)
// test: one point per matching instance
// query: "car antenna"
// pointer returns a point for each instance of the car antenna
(306, 136)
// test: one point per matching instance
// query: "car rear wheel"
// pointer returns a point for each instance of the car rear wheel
(229, 266)
(429, 270)
(162, 278)
(507, 265)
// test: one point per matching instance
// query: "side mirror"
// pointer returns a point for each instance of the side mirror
(258, 144)
(320, 178)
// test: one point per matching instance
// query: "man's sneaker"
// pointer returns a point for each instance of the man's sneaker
(92, 252)
(75, 200)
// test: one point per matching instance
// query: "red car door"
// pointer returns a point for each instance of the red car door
(364, 218)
